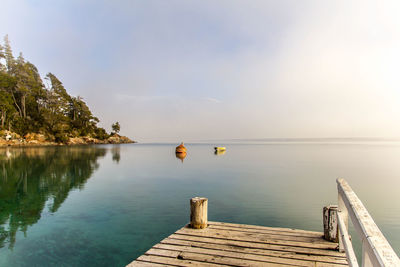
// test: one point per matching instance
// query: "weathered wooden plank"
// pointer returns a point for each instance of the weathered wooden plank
(250, 244)
(173, 261)
(241, 247)
(255, 251)
(204, 258)
(235, 254)
(280, 229)
(274, 235)
(146, 264)
(323, 264)
(259, 238)
(380, 253)
(256, 235)
(259, 231)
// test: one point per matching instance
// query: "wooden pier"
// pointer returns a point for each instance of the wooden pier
(205, 243)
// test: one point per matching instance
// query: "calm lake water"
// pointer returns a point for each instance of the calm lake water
(106, 205)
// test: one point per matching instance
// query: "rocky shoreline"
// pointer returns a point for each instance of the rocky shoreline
(34, 139)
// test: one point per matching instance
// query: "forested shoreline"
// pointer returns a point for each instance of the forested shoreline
(30, 106)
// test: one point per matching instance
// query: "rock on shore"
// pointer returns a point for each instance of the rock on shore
(8, 138)
(114, 139)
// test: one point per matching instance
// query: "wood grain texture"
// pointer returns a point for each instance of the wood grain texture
(249, 244)
(255, 251)
(261, 238)
(275, 229)
(198, 212)
(243, 245)
(266, 231)
(331, 228)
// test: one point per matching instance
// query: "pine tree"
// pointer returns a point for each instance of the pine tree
(8, 55)
(7, 109)
(2, 56)
(116, 127)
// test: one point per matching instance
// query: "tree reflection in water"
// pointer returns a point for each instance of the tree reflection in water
(116, 153)
(32, 177)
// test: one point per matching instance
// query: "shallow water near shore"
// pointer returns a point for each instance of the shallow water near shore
(106, 205)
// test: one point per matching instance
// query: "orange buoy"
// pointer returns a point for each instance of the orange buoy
(180, 149)
(180, 155)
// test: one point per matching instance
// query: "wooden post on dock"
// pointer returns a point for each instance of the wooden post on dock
(198, 212)
(331, 223)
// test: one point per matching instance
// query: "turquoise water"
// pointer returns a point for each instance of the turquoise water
(106, 205)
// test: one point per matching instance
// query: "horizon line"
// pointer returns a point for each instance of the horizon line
(289, 140)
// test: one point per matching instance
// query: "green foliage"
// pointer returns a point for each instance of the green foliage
(101, 134)
(61, 137)
(27, 105)
(116, 127)
(8, 55)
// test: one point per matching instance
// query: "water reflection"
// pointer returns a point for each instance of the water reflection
(219, 152)
(32, 177)
(116, 153)
(180, 155)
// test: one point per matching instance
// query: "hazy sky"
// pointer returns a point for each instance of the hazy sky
(194, 70)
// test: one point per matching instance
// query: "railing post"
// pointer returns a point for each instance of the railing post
(345, 215)
(198, 212)
(331, 228)
(366, 260)
(376, 249)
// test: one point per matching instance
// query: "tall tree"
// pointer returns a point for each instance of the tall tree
(57, 108)
(2, 67)
(22, 88)
(6, 102)
(36, 97)
(116, 127)
(12, 71)
(8, 55)
(81, 116)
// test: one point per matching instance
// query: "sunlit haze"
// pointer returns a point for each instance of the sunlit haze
(202, 70)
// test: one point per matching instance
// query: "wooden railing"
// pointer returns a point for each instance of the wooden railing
(376, 251)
